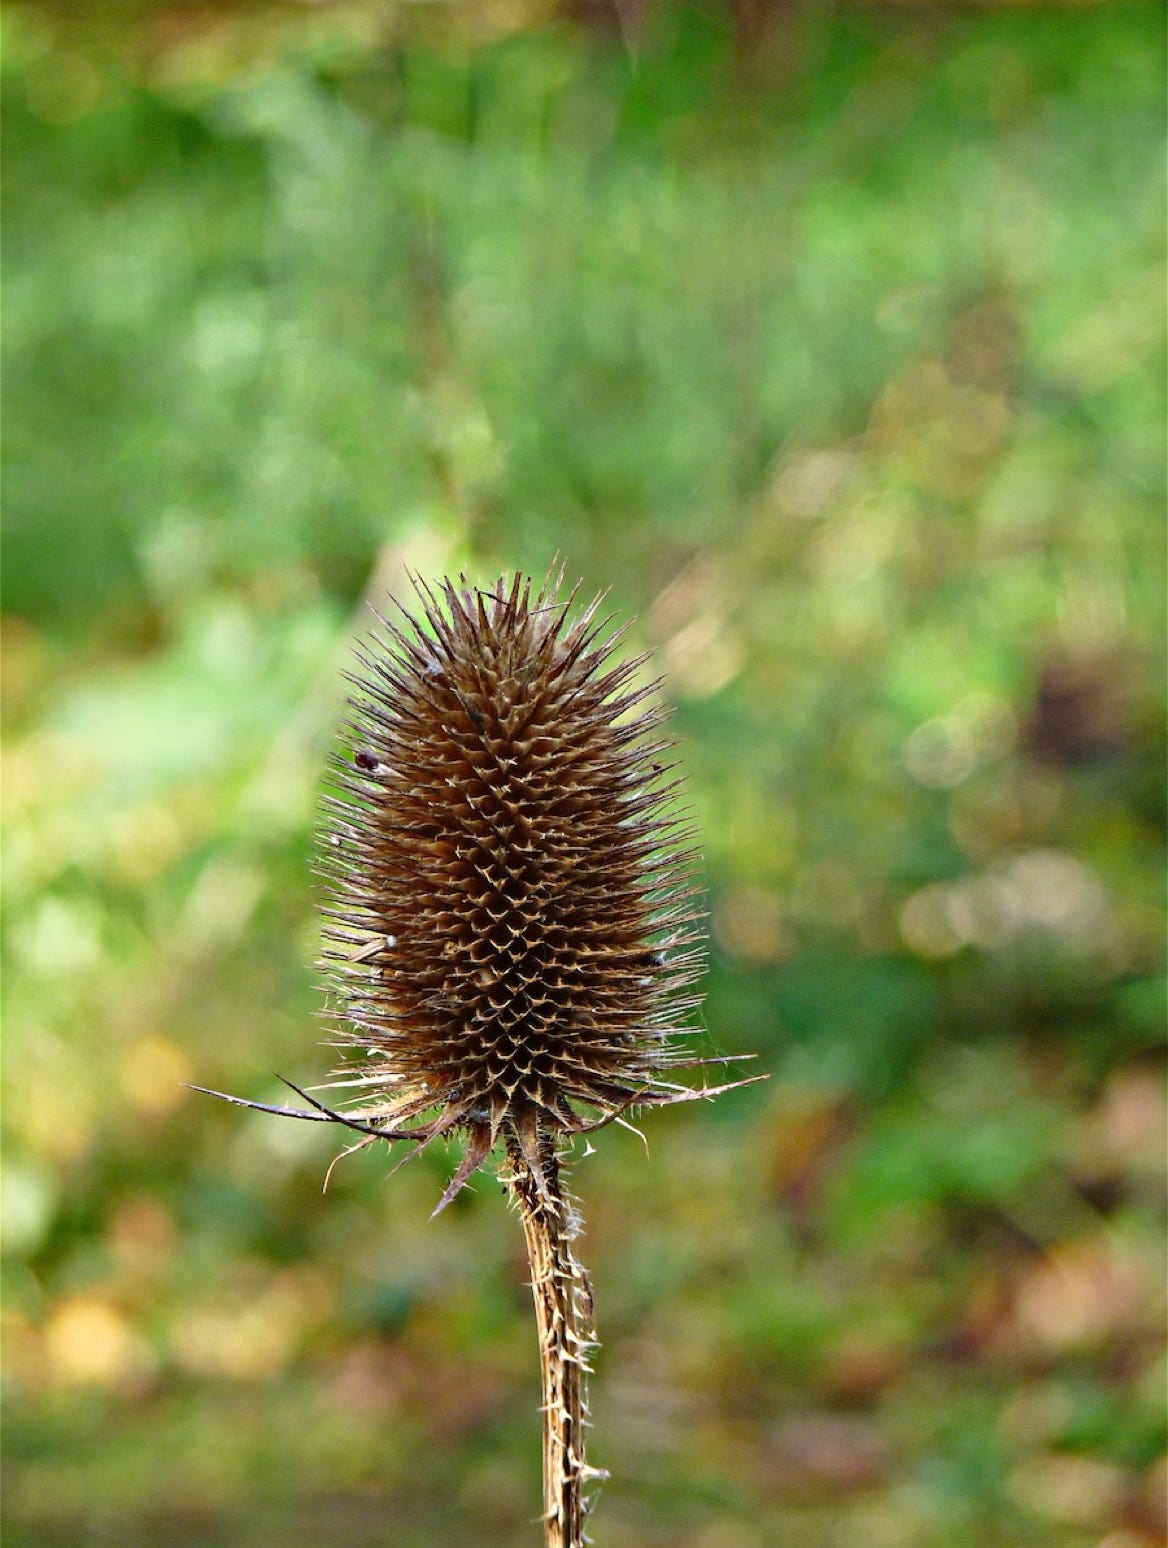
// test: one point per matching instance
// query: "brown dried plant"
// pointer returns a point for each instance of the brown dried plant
(513, 928)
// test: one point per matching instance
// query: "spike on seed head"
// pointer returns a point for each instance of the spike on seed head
(501, 815)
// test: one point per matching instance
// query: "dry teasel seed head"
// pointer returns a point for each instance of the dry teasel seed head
(512, 933)
(513, 927)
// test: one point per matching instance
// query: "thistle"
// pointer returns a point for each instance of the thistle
(513, 931)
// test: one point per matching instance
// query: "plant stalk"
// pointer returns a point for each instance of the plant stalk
(563, 1315)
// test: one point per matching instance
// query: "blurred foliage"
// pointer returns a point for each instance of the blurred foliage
(840, 357)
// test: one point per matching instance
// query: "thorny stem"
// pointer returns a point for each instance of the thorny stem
(563, 1315)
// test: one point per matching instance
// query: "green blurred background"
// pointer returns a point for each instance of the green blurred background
(831, 338)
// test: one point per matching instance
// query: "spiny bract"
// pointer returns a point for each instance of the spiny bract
(511, 930)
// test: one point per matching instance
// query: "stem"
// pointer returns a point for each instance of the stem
(563, 1315)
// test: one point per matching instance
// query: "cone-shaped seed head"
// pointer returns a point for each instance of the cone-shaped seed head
(512, 924)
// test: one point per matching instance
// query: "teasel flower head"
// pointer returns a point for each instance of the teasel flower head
(513, 932)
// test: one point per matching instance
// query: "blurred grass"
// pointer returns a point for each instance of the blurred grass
(841, 360)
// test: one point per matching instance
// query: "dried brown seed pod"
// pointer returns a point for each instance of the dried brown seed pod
(512, 928)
